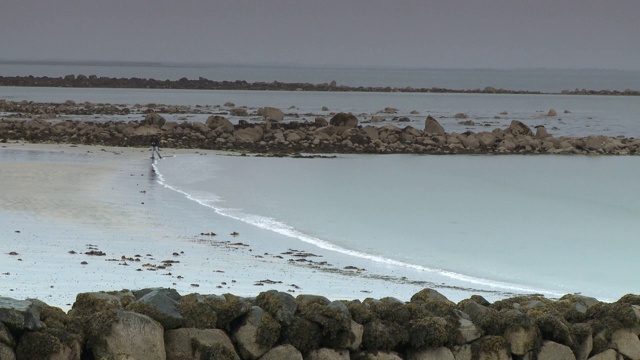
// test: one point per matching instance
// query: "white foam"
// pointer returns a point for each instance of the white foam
(273, 225)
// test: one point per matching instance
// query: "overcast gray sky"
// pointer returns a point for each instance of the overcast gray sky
(572, 34)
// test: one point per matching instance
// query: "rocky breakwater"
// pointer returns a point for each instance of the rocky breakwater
(341, 134)
(162, 324)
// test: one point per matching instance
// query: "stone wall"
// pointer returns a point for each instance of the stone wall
(162, 324)
(341, 134)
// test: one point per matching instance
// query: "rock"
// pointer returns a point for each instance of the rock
(343, 119)
(328, 354)
(239, 112)
(517, 128)
(219, 124)
(198, 311)
(160, 307)
(521, 339)
(596, 142)
(554, 351)
(440, 353)
(470, 142)
(552, 112)
(125, 335)
(463, 352)
(460, 116)
(19, 315)
(609, 354)
(249, 135)
(44, 345)
(433, 127)
(491, 348)
(182, 344)
(256, 334)
(428, 332)
(378, 355)
(153, 119)
(469, 330)
(6, 353)
(281, 352)
(6, 337)
(627, 343)
(271, 113)
(321, 122)
(541, 133)
(282, 306)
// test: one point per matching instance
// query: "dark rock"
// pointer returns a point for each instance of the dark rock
(433, 127)
(256, 334)
(19, 315)
(160, 307)
(282, 306)
(343, 119)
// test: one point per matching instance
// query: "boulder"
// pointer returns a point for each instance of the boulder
(627, 343)
(334, 321)
(45, 345)
(521, 339)
(219, 124)
(305, 335)
(378, 355)
(439, 353)
(554, 351)
(249, 135)
(460, 116)
(541, 133)
(343, 119)
(470, 142)
(518, 128)
(609, 354)
(160, 307)
(552, 112)
(282, 306)
(469, 330)
(328, 354)
(153, 119)
(433, 127)
(320, 122)
(125, 335)
(19, 315)
(6, 353)
(256, 334)
(182, 344)
(281, 352)
(491, 348)
(271, 113)
(198, 311)
(6, 337)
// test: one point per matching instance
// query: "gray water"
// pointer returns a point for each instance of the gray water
(552, 224)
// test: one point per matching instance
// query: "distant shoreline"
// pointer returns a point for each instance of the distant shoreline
(93, 81)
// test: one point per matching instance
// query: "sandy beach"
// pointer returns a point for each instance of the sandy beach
(62, 203)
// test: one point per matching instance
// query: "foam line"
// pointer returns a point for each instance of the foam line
(286, 230)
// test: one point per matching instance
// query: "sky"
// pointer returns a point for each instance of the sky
(496, 34)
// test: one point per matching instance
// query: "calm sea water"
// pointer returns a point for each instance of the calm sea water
(552, 224)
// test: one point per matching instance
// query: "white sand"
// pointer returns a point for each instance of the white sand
(56, 199)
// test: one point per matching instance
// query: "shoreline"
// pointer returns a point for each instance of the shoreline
(93, 81)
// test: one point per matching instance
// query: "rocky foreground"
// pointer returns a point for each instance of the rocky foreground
(342, 133)
(162, 324)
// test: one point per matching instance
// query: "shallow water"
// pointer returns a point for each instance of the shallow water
(549, 224)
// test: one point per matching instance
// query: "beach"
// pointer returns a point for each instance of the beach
(62, 202)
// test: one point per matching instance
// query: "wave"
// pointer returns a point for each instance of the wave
(281, 228)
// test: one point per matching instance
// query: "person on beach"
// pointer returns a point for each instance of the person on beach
(155, 147)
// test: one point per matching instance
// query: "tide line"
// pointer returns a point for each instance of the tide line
(278, 227)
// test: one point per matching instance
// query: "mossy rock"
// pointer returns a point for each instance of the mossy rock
(267, 331)
(480, 300)
(430, 295)
(553, 327)
(490, 322)
(430, 308)
(303, 334)
(581, 332)
(611, 317)
(51, 316)
(197, 312)
(630, 299)
(518, 302)
(513, 319)
(360, 313)
(280, 305)
(37, 345)
(229, 310)
(91, 303)
(382, 335)
(390, 310)
(332, 320)
(428, 333)
(488, 345)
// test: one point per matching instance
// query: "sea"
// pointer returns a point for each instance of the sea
(549, 225)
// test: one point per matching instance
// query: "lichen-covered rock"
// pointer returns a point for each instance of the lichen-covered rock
(87, 304)
(282, 306)
(124, 334)
(184, 343)
(281, 352)
(19, 315)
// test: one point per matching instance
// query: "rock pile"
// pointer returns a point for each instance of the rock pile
(162, 324)
(341, 134)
